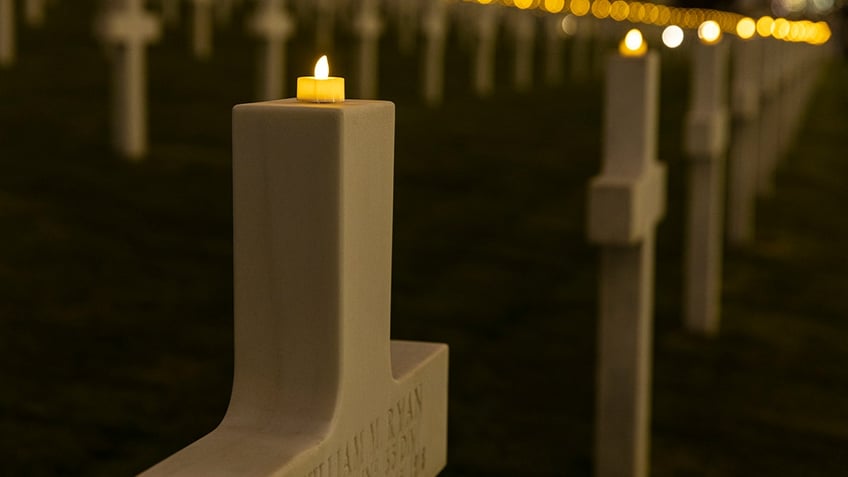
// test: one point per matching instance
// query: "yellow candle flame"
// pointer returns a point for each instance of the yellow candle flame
(633, 44)
(322, 68)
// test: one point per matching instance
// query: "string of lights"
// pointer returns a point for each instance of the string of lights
(796, 31)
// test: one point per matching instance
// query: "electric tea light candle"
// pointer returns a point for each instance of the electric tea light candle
(321, 88)
(633, 45)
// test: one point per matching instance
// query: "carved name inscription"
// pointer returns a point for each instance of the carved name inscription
(388, 446)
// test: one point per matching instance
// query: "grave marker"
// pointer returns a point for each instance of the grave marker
(368, 27)
(744, 146)
(319, 390)
(625, 203)
(201, 29)
(553, 49)
(274, 25)
(706, 146)
(7, 33)
(435, 36)
(486, 29)
(34, 12)
(524, 35)
(130, 28)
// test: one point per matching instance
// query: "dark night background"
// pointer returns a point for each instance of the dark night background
(116, 277)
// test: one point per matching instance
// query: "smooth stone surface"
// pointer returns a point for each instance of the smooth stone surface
(319, 390)
(705, 145)
(625, 203)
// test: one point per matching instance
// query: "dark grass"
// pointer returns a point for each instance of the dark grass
(116, 278)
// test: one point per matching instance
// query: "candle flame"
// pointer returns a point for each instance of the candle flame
(322, 68)
(633, 45)
(633, 40)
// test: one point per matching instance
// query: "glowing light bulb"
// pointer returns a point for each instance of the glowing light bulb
(765, 26)
(709, 32)
(672, 36)
(746, 27)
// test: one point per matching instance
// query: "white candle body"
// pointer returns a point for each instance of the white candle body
(706, 144)
(625, 203)
(318, 389)
(7, 33)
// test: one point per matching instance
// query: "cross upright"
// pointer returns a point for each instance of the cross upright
(7, 33)
(706, 146)
(319, 389)
(128, 26)
(201, 29)
(274, 25)
(625, 203)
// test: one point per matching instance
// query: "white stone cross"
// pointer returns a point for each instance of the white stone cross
(201, 29)
(705, 142)
(580, 48)
(743, 150)
(170, 11)
(770, 125)
(274, 25)
(486, 29)
(368, 27)
(224, 12)
(319, 390)
(128, 26)
(625, 203)
(407, 19)
(554, 50)
(34, 12)
(435, 35)
(325, 23)
(523, 26)
(7, 33)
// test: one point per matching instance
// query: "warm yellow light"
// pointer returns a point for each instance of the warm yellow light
(322, 68)
(672, 36)
(765, 26)
(781, 28)
(321, 88)
(601, 8)
(746, 28)
(523, 4)
(633, 44)
(637, 12)
(652, 14)
(554, 6)
(579, 7)
(663, 15)
(619, 10)
(709, 32)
